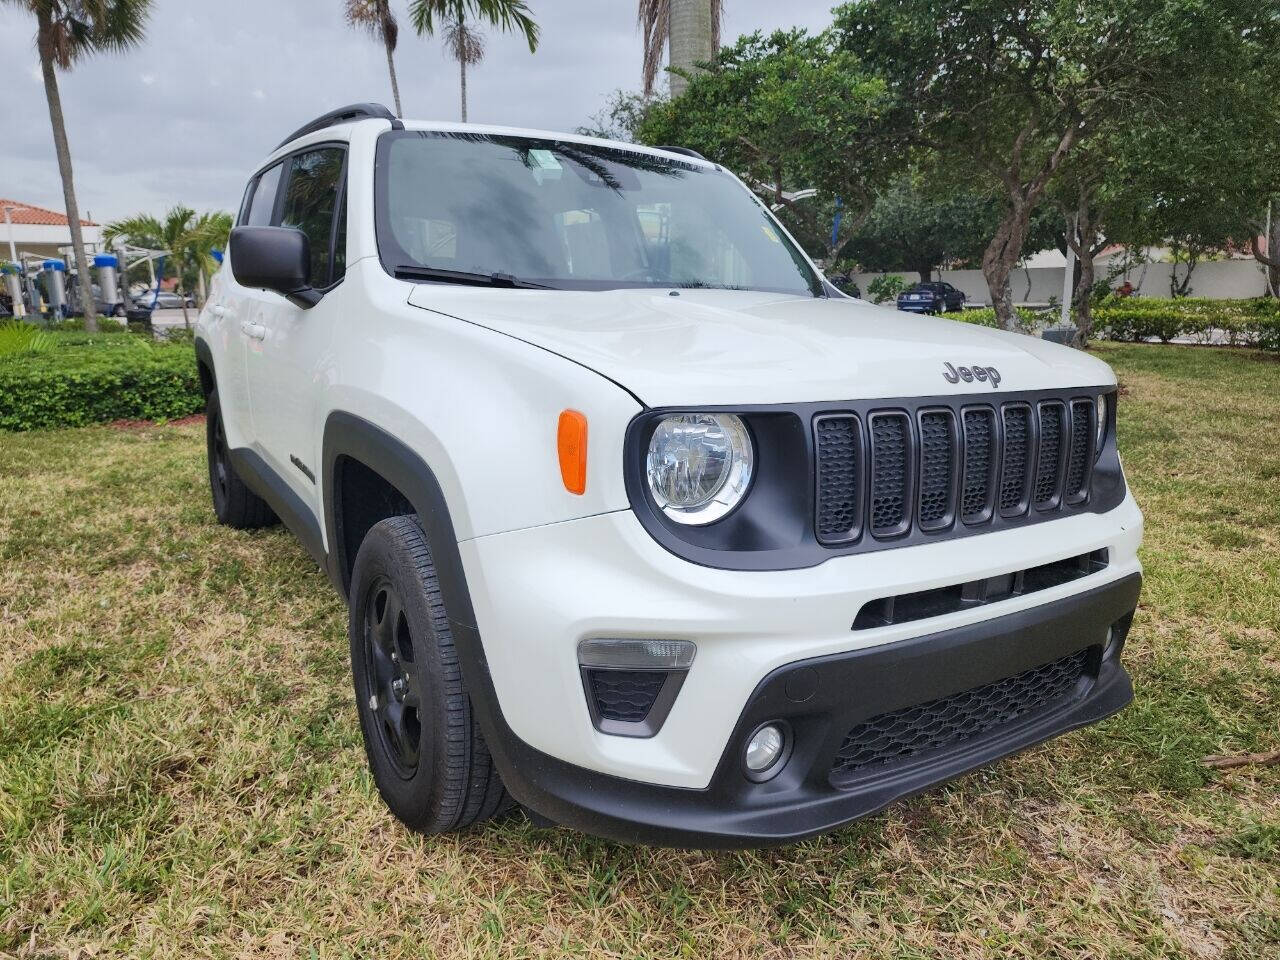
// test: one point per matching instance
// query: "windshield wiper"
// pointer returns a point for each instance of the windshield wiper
(465, 277)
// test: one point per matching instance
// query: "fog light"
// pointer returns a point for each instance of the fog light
(764, 749)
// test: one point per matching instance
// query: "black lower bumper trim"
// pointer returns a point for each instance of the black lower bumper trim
(841, 691)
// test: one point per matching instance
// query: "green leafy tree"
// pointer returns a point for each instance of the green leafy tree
(377, 18)
(918, 226)
(462, 38)
(1015, 89)
(68, 31)
(620, 118)
(689, 29)
(788, 113)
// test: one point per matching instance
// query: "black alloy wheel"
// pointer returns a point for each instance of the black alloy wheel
(395, 690)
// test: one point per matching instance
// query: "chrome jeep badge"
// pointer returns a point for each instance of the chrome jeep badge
(970, 374)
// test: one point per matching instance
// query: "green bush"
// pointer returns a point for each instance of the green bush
(1028, 320)
(105, 324)
(887, 286)
(1241, 322)
(115, 377)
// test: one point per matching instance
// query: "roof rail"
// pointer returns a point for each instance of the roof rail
(685, 150)
(354, 111)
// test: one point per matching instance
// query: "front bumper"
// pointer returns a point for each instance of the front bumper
(821, 700)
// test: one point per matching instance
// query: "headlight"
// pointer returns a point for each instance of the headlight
(1100, 431)
(699, 466)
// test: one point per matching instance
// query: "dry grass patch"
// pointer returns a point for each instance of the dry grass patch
(181, 771)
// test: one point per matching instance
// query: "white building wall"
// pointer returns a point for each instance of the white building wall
(1217, 280)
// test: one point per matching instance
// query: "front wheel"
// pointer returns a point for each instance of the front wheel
(427, 754)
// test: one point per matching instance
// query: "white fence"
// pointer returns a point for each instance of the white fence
(1217, 279)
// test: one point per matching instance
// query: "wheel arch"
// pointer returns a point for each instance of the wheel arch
(360, 457)
(205, 367)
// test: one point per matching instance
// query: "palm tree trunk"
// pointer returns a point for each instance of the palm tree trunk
(63, 150)
(462, 63)
(391, 69)
(688, 39)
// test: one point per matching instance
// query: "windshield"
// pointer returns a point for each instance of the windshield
(573, 216)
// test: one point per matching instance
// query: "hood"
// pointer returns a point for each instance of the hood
(729, 347)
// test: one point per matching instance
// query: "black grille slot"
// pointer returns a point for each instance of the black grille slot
(979, 461)
(912, 733)
(625, 695)
(908, 607)
(839, 507)
(1078, 460)
(1049, 463)
(1015, 468)
(937, 468)
(890, 474)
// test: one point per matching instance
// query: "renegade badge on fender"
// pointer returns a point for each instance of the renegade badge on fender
(641, 523)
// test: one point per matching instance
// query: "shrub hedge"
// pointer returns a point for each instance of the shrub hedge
(1236, 322)
(96, 378)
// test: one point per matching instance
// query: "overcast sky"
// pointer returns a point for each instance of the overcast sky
(218, 83)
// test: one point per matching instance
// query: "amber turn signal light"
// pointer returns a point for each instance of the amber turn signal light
(571, 444)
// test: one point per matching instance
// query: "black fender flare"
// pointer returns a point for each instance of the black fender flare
(348, 435)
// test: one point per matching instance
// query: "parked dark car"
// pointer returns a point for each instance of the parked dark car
(933, 297)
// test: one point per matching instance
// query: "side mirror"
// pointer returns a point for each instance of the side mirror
(274, 258)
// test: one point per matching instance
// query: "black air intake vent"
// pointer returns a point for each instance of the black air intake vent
(906, 736)
(625, 695)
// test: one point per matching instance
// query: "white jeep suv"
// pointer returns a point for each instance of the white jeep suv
(641, 523)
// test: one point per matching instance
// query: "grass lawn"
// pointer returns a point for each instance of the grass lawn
(181, 772)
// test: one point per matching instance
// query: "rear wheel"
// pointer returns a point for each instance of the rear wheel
(428, 756)
(234, 504)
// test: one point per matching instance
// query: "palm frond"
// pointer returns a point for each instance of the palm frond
(376, 17)
(464, 44)
(654, 17)
(509, 16)
(78, 28)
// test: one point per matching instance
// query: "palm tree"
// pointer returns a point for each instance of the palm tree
(467, 47)
(689, 29)
(376, 17)
(189, 239)
(67, 30)
(464, 43)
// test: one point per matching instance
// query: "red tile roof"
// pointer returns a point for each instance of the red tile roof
(38, 216)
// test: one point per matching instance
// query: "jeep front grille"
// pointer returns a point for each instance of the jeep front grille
(893, 472)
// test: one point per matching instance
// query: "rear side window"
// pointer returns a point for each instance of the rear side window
(262, 200)
(311, 203)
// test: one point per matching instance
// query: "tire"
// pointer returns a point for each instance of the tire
(427, 754)
(234, 504)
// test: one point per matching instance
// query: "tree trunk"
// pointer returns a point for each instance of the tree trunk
(63, 150)
(925, 270)
(391, 69)
(999, 259)
(462, 66)
(688, 39)
(1082, 295)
